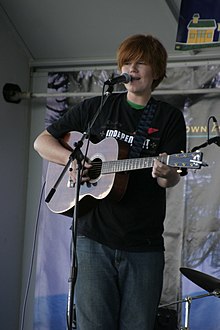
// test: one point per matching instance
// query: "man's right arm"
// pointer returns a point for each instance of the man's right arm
(59, 152)
(51, 149)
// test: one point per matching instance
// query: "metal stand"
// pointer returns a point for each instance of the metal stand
(187, 313)
(79, 157)
(188, 302)
(206, 282)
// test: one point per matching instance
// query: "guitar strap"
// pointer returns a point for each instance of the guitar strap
(142, 129)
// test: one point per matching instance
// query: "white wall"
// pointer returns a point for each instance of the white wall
(37, 109)
(14, 149)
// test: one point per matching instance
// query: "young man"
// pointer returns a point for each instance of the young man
(120, 249)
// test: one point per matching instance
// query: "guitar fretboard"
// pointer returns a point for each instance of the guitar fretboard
(123, 165)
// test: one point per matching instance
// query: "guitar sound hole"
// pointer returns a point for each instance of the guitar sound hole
(95, 170)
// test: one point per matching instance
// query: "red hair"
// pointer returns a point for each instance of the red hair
(147, 49)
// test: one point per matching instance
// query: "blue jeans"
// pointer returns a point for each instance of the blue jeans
(116, 290)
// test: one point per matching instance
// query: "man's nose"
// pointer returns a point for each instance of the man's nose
(133, 66)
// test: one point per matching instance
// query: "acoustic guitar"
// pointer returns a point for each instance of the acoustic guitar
(108, 175)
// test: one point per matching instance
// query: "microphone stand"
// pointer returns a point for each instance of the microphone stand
(215, 140)
(78, 156)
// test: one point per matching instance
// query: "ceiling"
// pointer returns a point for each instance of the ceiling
(70, 31)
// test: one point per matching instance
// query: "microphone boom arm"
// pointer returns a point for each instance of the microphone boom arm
(215, 139)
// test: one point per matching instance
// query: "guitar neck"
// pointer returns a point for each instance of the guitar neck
(123, 165)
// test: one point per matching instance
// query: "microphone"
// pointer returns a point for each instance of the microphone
(123, 78)
(216, 126)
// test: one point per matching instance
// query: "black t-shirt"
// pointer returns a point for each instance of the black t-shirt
(135, 223)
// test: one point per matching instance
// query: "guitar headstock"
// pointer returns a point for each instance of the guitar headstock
(192, 160)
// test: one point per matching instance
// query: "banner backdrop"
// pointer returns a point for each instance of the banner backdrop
(192, 235)
(198, 25)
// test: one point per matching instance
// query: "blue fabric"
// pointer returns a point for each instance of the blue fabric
(50, 312)
(115, 289)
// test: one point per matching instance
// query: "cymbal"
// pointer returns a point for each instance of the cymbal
(205, 281)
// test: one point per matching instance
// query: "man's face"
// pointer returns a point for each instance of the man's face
(142, 77)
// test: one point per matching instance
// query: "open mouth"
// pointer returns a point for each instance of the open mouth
(135, 78)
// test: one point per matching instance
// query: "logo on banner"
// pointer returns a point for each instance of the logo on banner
(199, 25)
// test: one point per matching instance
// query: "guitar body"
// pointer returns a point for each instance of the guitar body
(64, 199)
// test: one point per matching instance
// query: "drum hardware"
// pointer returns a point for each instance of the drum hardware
(205, 281)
